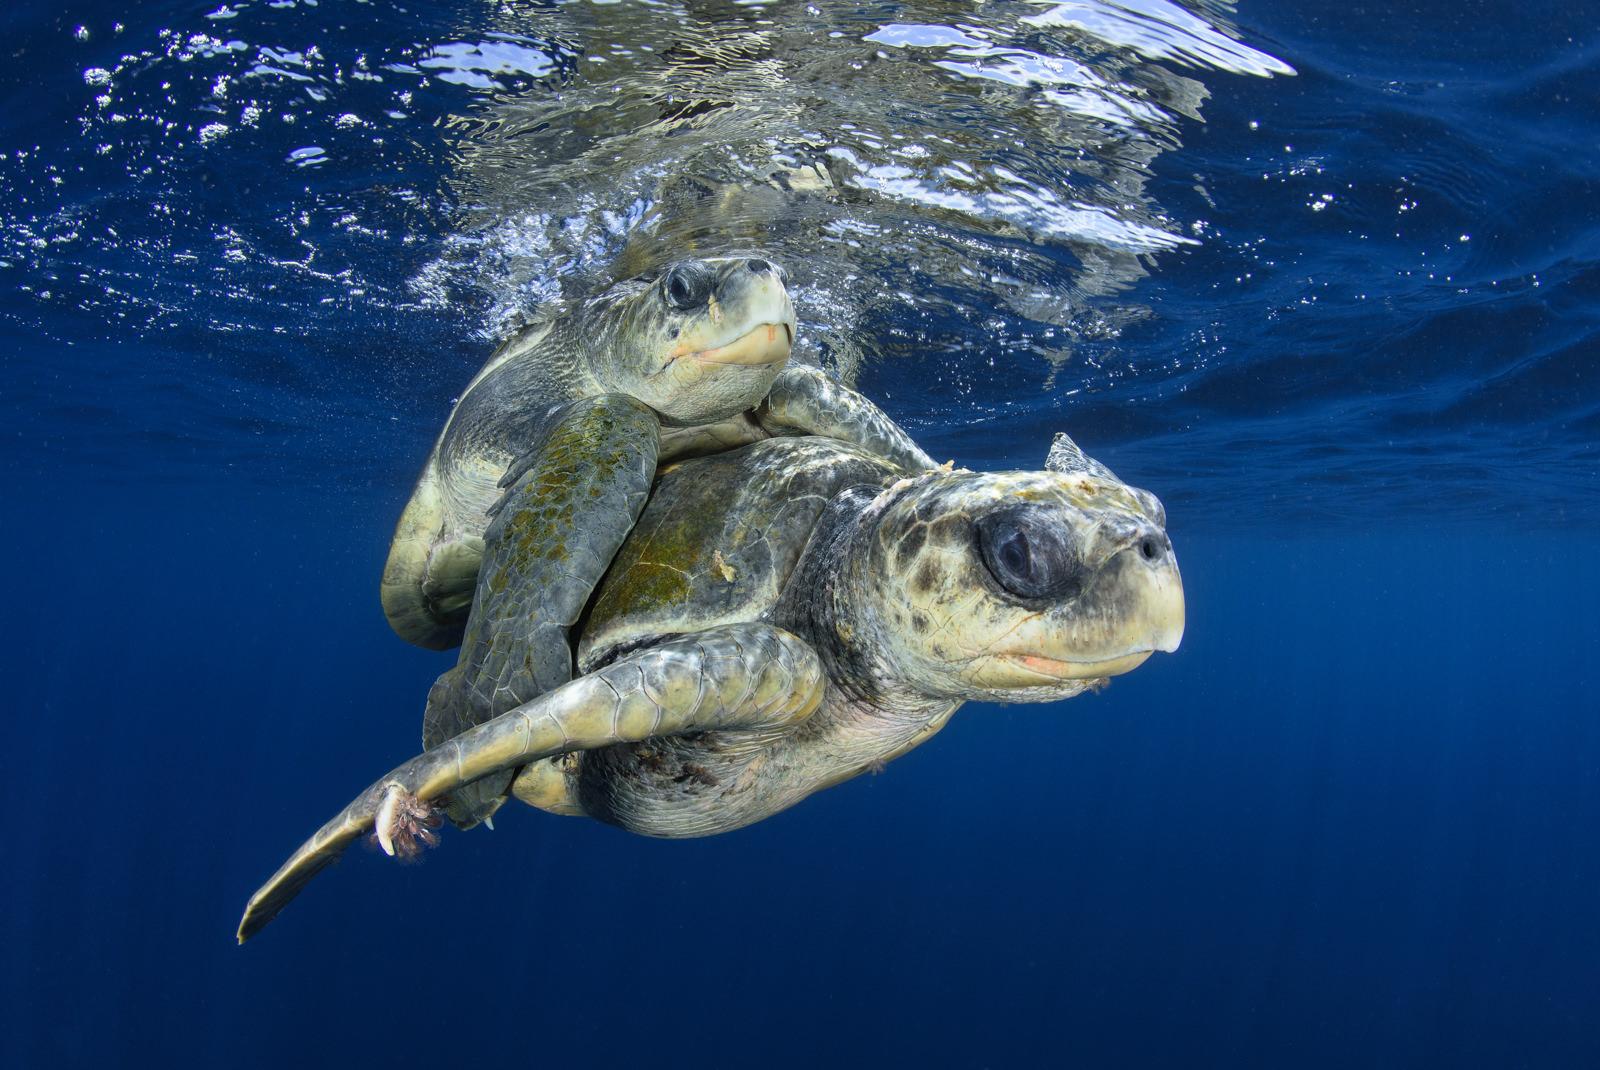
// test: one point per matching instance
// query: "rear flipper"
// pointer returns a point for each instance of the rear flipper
(804, 401)
(734, 677)
(429, 576)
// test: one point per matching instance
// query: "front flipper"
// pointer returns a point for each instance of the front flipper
(804, 401)
(570, 502)
(735, 677)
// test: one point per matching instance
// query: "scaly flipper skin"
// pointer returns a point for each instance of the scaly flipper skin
(804, 401)
(745, 676)
(571, 501)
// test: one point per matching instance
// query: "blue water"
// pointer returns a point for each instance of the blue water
(1350, 823)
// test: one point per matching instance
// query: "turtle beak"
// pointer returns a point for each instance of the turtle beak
(770, 343)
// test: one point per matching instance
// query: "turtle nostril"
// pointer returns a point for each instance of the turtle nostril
(1150, 548)
(758, 265)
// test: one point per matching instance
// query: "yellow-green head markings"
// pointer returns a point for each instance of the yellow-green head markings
(1017, 586)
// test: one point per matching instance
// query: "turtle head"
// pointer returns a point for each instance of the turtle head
(699, 342)
(1020, 586)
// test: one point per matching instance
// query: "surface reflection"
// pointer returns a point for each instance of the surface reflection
(983, 163)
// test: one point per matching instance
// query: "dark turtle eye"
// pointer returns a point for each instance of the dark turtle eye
(1028, 556)
(1013, 556)
(686, 286)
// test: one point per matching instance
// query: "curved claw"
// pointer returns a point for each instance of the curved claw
(405, 825)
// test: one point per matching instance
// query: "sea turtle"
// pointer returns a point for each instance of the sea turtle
(685, 360)
(784, 617)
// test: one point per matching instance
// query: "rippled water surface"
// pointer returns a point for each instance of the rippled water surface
(1326, 278)
(1295, 266)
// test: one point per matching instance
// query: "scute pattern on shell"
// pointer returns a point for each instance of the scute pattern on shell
(718, 547)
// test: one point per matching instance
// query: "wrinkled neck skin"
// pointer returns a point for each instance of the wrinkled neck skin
(873, 712)
(502, 409)
(591, 341)
(517, 387)
(564, 368)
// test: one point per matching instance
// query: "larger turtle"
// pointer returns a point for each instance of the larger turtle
(782, 618)
(684, 360)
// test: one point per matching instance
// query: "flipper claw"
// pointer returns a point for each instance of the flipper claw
(404, 824)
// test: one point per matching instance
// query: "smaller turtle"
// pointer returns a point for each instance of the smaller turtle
(782, 618)
(685, 361)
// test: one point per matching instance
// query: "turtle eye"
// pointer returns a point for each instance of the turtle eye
(1013, 555)
(686, 286)
(1027, 556)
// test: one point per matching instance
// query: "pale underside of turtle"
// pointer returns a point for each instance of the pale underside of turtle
(781, 618)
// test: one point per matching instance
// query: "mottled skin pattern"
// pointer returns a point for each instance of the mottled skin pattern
(787, 616)
(702, 346)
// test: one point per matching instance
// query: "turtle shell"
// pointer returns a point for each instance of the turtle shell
(719, 539)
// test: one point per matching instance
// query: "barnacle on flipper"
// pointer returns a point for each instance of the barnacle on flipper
(405, 825)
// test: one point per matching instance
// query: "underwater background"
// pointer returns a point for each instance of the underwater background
(1326, 278)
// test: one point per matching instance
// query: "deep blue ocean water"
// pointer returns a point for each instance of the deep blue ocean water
(1344, 322)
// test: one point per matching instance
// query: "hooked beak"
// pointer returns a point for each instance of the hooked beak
(1156, 625)
(1053, 669)
(769, 343)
